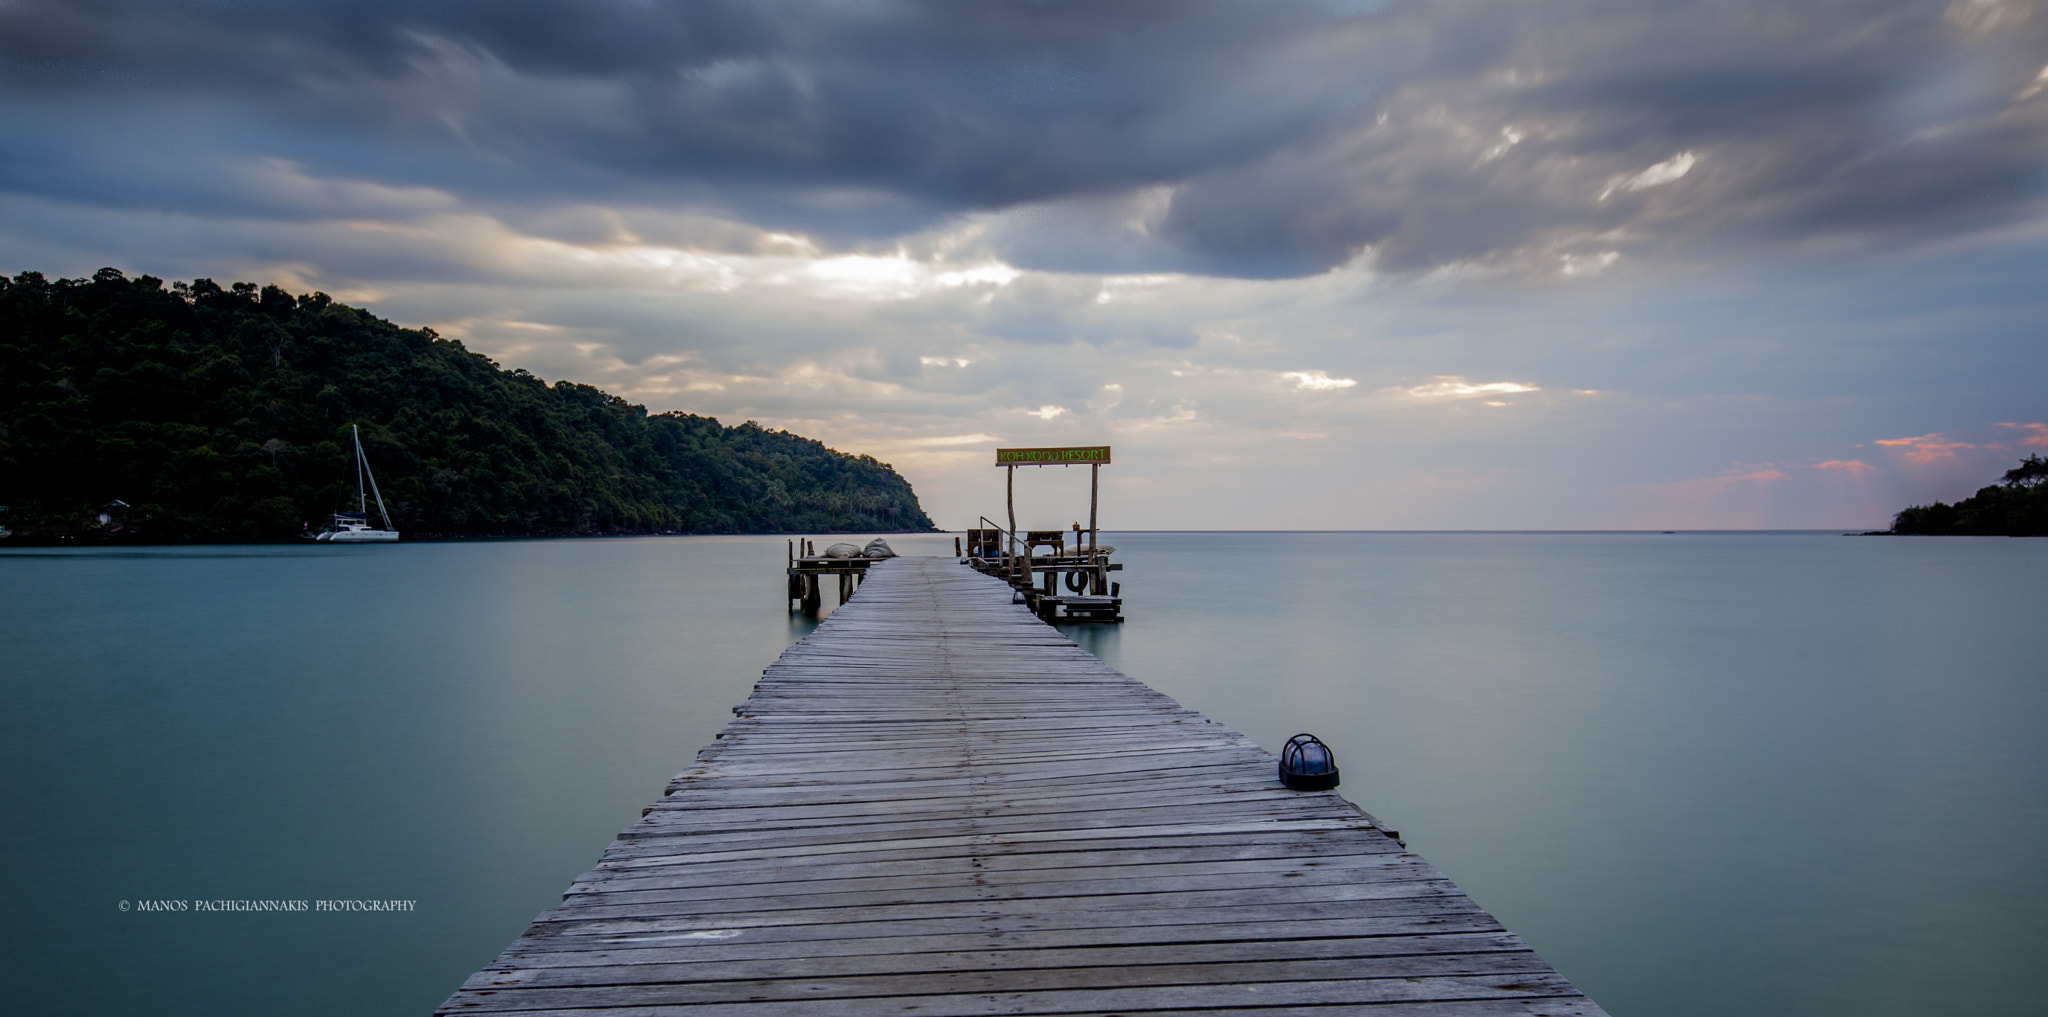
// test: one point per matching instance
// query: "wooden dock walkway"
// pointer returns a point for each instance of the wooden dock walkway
(938, 806)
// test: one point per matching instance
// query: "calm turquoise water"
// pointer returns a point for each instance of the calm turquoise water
(1701, 773)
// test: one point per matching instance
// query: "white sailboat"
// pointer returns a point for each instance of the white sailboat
(355, 528)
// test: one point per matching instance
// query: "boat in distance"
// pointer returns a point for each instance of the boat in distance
(350, 529)
(354, 527)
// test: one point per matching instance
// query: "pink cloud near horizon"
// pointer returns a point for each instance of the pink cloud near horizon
(1742, 500)
(1928, 448)
(2036, 434)
(1703, 486)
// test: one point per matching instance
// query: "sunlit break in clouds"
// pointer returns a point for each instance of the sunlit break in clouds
(1316, 265)
(1317, 381)
(1453, 388)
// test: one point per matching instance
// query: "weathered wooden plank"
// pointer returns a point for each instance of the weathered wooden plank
(996, 915)
(631, 986)
(542, 947)
(703, 831)
(972, 953)
(937, 805)
(902, 997)
(972, 871)
(635, 851)
(687, 870)
(754, 808)
(940, 901)
(1552, 1006)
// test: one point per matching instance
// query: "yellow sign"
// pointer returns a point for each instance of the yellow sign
(1077, 456)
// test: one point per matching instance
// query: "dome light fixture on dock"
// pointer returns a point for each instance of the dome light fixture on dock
(1306, 764)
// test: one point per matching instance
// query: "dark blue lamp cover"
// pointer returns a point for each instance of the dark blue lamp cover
(1306, 764)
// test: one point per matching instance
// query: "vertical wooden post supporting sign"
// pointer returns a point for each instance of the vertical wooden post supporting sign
(1094, 495)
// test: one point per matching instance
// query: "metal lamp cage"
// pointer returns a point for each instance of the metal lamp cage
(1306, 764)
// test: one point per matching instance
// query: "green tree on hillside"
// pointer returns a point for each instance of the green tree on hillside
(2017, 507)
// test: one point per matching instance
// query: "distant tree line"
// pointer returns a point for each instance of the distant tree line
(197, 411)
(2018, 507)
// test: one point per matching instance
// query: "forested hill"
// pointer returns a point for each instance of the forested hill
(225, 413)
(2018, 507)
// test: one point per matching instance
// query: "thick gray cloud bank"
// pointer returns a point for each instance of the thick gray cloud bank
(1532, 140)
(1322, 264)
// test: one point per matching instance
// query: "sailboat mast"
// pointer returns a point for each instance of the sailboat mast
(362, 507)
(386, 516)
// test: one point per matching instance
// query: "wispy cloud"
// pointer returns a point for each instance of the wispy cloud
(1663, 173)
(2031, 434)
(1927, 448)
(2034, 87)
(1739, 497)
(1455, 387)
(959, 439)
(1317, 381)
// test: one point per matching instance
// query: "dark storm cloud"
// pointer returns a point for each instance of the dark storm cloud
(1229, 138)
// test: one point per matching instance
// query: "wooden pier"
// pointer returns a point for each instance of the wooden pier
(807, 572)
(938, 806)
(1037, 577)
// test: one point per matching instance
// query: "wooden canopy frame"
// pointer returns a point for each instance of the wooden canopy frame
(1095, 457)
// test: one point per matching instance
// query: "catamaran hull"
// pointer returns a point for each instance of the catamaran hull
(359, 537)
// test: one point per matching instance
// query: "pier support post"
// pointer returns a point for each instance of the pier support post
(1094, 496)
(1010, 500)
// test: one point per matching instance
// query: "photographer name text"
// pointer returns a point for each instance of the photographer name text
(270, 905)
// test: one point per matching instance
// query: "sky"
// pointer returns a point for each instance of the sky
(1316, 265)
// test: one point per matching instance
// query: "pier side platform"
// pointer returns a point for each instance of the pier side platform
(937, 806)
